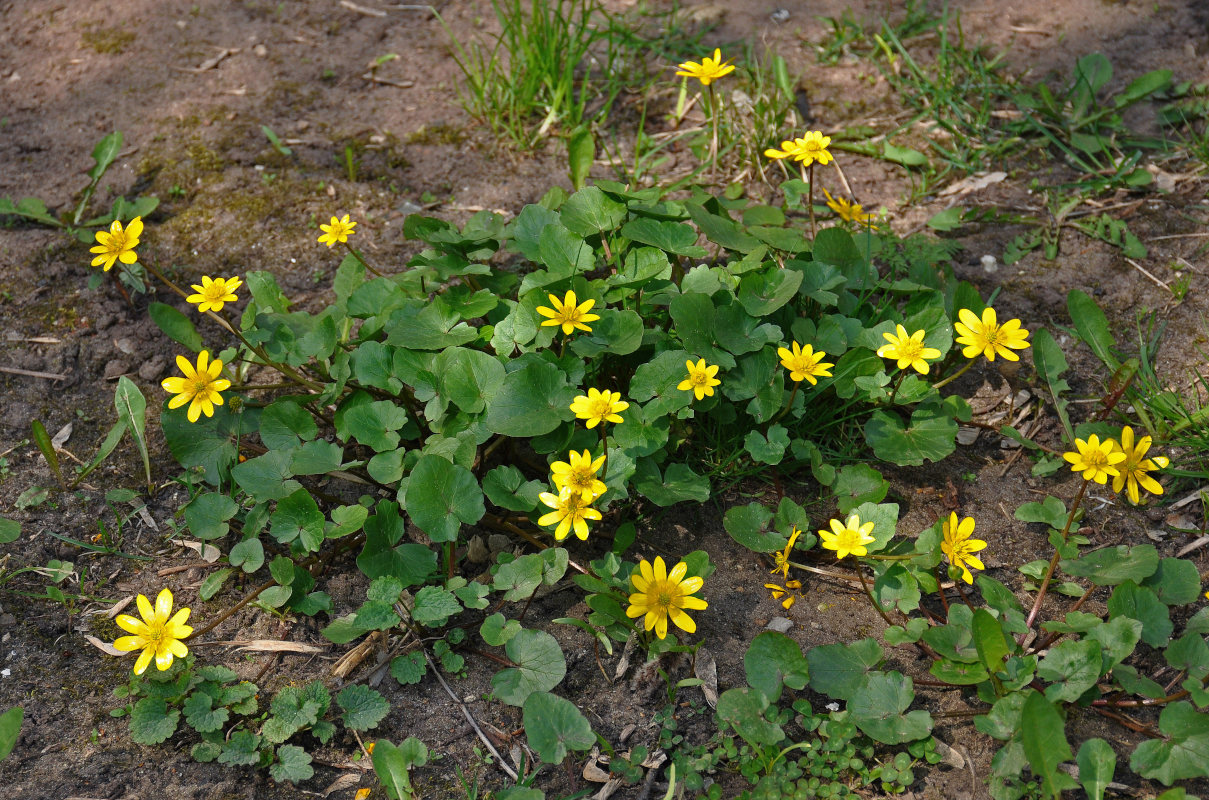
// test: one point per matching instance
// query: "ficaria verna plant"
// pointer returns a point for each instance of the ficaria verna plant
(440, 384)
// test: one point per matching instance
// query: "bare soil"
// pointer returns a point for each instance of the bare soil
(191, 84)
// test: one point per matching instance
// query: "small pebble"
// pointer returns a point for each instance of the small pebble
(989, 264)
(780, 625)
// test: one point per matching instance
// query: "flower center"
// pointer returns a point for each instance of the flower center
(910, 350)
(199, 385)
(849, 539)
(601, 408)
(699, 378)
(663, 598)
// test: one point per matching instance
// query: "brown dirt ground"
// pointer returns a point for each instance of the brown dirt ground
(72, 71)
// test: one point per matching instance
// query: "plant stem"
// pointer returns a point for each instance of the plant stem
(788, 404)
(954, 376)
(810, 201)
(944, 601)
(869, 593)
(902, 376)
(355, 254)
(713, 142)
(1053, 562)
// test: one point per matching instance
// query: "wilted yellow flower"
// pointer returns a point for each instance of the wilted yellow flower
(659, 595)
(117, 244)
(1095, 459)
(158, 634)
(338, 231)
(199, 388)
(849, 212)
(571, 511)
(213, 293)
(700, 380)
(805, 363)
(568, 314)
(709, 70)
(782, 556)
(808, 149)
(957, 545)
(985, 336)
(1133, 470)
(596, 407)
(848, 538)
(579, 475)
(908, 350)
(786, 592)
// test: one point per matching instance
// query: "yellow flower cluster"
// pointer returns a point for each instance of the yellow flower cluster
(578, 487)
(1124, 461)
(159, 634)
(660, 595)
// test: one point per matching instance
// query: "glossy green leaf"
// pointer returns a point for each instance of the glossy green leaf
(1050, 511)
(773, 661)
(856, 484)
(441, 496)
(391, 764)
(1110, 566)
(555, 726)
(208, 513)
(152, 722)
(748, 525)
(590, 211)
(1140, 603)
(532, 401)
(930, 436)
(1071, 668)
(1097, 762)
(1176, 582)
(671, 237)
(1184, 754)
(1092, 327)
(248, 555)
(267, 477)
(298, 519)
(879, 708)
(678, 484)
(743, 709)
(10, 730)
(1043, 737)
(540, 667)
(176, 326)
(839, 670)
(469, 378)
(132, 410)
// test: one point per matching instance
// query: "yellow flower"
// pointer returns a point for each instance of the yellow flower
(987, 337)
(700, 380)
(709, 70)
(579, 475)
(571, 511)
(158, 634)
(597, 407)
(805, 363)
(1135, 466)
(568, 314)
(213, 293)
(782, 556)
(1095, 459)
(659, 595)
(808, 149)
(338, 231)
(848, 538)
(117, 244)
(199, 388)
(849, 212)
(908, 350)
(959, 547)
(786, 591)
